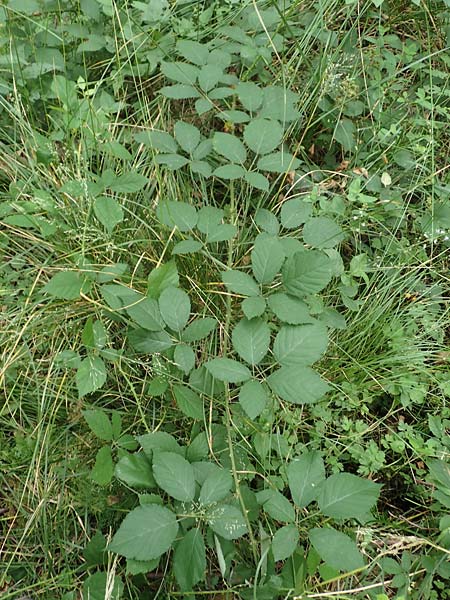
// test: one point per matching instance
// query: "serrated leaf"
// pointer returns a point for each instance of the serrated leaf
(174, 475)
(233, 116)
(253, 398)
(175, 307)
(216, 487)
(209, 77)
(179, 91)
(276, 505)
(180, 71)
(278, 162)
(90, 376)
(336, 549)
(138, 567)
(250, 95)
(253, 307)
(135, 470)
(257, 181)
(171, 161)
(100, 585)
(251, 340)
(305, 476)
(94, 334)
(184, 358)
(148, 342)
(66, 285)
(228, 370)
(188, 402)
(227, 521)
(102, 471)
(306, 272)
(221, 233)
(263, 135)
(189, 560)
(177, 214)
(230, 147)
(346, 496)
(267, 258)
(198, 329)
(187, 135)
(300, 344)
(203, 105)
(285, 542)
(158, 140)
(108, 211)
(201, 167)
(187, 247)
(99, 423)
(240, 283)
(267, 221)
(279, 103)
(162, 277)
(345, 133)
(294, 213)
(229, 172)
(192, 51)
(146, 314)
(146, 532)
(129, 183)
(159, 440)
(290, 309)
(299, 385)
(322, 232)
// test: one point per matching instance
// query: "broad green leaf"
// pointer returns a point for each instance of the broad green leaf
(253, 398)
(103, 468)
(229, 171)
(136, 471)
(266, 220)
(208, 218)
(24, 6)
(99, 423)
(101, 585)
(171, 161)
(180, 72)
(228, 370)
(290, 309)
(263, 135)
(230, 147)
(216, 487)
(233, 116)
(175, 307)
(299, 385)
(306, 272)
(347, 496)
(220, 57)
(187, 135)
(251, 340)
(192, 51)
(221, 233)
(253, 307)
(159, 440)
(177, 214)
(336, 549)
(158, 140)
(201, 167)
(138, 567)
(119, 296)
(278, 162)
(174, 475)
(276, 505)
(300, 344)
(209, 77)
(198, 329)
(257, 181)
(240, 283)
(202, 105)
(184, 358)
(146, 532)
(180, 91)
(227, 521)
(279, 103)
(202, 151)
(267, 258)
(162, 277)
(250, 95)
(305, 476)
(111, 272)
(294, 213)
(90, 376)
(146, 314)
(147, 342)
(108, 211)
(284, 542)
(345, 134)
(66, 285)
(189, 560)
(322, 232)
(116, 424)
(94, 334)
(129, 183)
(188, 402)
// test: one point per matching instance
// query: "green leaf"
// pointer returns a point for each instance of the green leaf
(322, 232)
(267, 221)
(221, 233)
(227, 521)
(251, 340)
(194, 52)
(233, 116)
(345, 133)
(161, 278)
(216, 487)
(146, 532)
(187, 135)
(278, 162)
(159, 440)
(146, 314)
(101, 585)
(290, 309)
(300, 344)
(228, 370)
(230, 147)
(175, 308)
(177, 214)
(305, 476)
(108, 211)
(174, 475)
(229, 172)
(336, 549)
(116, 424)
(209, 217)
(253, 307)
(198, 329)
(184, 358)
(240, 283)
(136, 471)
(209, 77)
(284, 542)
(257, 181)
(347, 496)
(267, 258)
(119, 296)
(189, 560)
(66, 285)
(129, 183)
(94, 334)
(253, 398)
(99, 423)
(201, 167)
(138, 567)
(171, 161)
(276, 505)
(180, 71)
(103, 468)
(180, 91)
(294, 213)
(299, 385)
(91, 375)
(147, 342)
(188, 402)
(306, 272)
(202, 105)
(263, 135)
(158, 140)
(202, 151)
(279, 103)
(111, 272)
(250, 95)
